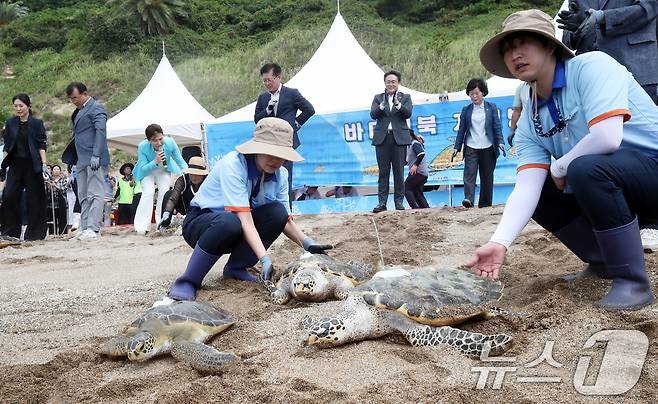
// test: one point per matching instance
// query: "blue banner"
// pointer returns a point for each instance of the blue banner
(337, 148)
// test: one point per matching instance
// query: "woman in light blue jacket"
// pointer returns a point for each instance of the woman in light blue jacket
(157, 158)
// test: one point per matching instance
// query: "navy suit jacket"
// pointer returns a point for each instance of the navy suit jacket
(36, 140)
(397, 119)
(629, 36)
(90, 132)
(290, 101)
(491, 126)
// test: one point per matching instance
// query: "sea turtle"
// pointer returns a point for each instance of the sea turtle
(318, 277)
(421, 304)
(179, 328)
(7, 241)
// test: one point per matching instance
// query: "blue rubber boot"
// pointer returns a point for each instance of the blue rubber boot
(624, 257)
(200, 263)
(579, 237)
(242, 258)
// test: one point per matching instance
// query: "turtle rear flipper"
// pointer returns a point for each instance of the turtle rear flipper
(201, 357)
(469, 343)
(117, 346)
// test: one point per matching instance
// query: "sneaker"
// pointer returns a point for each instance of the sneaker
(467, 203)
(649, 239)
(88, 234)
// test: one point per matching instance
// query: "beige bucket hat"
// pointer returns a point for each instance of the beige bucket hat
(272, 136)
(535, 21)
(196, 166)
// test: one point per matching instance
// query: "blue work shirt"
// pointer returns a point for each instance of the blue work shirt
(587, 89)
(234, 184)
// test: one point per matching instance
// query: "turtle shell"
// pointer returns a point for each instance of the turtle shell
(196, 314)
(356, 272)
(433, 296)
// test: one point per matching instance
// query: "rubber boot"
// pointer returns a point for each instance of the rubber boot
(624, 258)
(242, 258)
(200, 263)
(579, 237)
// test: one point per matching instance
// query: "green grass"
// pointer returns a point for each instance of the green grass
(221, 69)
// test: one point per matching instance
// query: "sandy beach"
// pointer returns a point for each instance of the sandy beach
(60, 299)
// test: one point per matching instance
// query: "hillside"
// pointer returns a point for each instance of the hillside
(217, 47)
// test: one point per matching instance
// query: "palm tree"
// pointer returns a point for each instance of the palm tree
(156, 16)
(11, 11)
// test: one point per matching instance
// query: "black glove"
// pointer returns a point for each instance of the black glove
(502, 149)
(3, 174)
(310, 245)
(165, 221)
(571, 19)
(510, 138)
(270, 106)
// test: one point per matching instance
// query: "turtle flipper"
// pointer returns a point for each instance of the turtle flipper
(117, 346)
(307, 322)
(469, 343)
(342, 288)
(201, 357)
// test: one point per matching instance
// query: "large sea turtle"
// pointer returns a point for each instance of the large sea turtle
(179, 328)
(421, 304)
(318, 277)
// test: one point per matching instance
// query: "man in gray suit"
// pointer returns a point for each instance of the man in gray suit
(624, 29)
(391, 137)
(93, 158)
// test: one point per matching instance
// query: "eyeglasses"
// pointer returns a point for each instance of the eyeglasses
(391, 81)
(267, 81)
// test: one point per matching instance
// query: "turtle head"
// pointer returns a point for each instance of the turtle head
(310, 286)
(327, 332)
(141, 347)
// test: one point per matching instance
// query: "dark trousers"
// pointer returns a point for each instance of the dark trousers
(136, 199)
(390, 154)
(484, 162)
(220, 233)
(413, 191)
(21, 176)
(609, 190)
(125, 213)
(179, 207)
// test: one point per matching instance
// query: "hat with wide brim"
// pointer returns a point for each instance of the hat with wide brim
(272, 136)
(535, 21)
(196, 166)
(124, 166)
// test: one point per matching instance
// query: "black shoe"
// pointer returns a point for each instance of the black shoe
(467, 203)
(379, 208)
(399, 207)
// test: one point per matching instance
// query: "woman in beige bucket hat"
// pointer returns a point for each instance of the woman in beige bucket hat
(186, 186)
(593, 128)
(241, 209)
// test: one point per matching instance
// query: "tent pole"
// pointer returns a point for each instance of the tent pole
(204, 142)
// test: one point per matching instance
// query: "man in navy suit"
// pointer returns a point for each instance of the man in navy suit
(282, 102)
(93, 158)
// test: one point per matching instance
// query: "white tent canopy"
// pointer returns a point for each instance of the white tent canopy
(164, 101)
(355, 78)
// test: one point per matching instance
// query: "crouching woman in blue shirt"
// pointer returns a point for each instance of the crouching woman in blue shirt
(241, 208)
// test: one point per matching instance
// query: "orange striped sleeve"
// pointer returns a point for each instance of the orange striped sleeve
(290, 218)
(237, 208)
(526, 166)
(626, 113)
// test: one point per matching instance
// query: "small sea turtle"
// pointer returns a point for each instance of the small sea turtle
(7, 241)
(179, 328)
(421, 304)
(318, 277)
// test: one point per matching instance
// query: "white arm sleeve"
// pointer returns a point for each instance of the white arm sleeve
(520, 205)
(604, 137)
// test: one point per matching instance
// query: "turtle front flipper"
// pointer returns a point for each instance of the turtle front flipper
(306, 322)
(201, 357)
(117, 346)
(469, 343)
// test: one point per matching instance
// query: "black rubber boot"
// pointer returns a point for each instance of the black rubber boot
(624, 257)
(579, 237)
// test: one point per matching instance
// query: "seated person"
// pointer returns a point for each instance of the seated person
(177, 199)
(310, 192)
(241, 209)
(342, 192)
